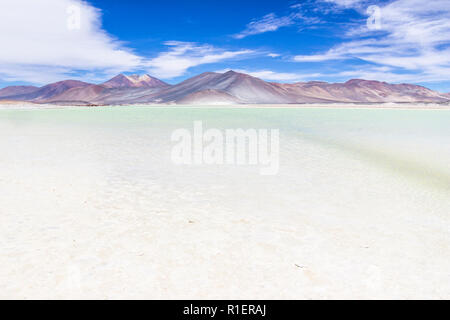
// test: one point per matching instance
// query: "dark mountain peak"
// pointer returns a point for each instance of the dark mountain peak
(355, 81)
(232, 73)
(362, 82)
(317, 82)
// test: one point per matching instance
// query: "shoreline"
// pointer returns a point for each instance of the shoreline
(390, 105)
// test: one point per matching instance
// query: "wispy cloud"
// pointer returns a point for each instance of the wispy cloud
(184, 55)
(330, 55)
(414, 37)
(268, 23)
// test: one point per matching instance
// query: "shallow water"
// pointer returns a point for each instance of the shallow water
(92, 206)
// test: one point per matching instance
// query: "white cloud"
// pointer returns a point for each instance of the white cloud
(330, 55)
(273, 55)
(268, 23)
(414, 38)
(298, 15)
(41, 41)
(184, 55)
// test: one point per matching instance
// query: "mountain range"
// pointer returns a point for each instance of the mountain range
(218, 88)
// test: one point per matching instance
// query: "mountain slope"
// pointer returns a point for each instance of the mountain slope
(209, 97)
(85, 94)
(49, 91)
(17, 90)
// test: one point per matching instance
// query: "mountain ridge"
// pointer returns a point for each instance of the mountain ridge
(220, 88)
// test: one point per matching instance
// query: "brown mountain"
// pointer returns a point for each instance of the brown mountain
(49, 91)
(17, 90)
(78, 95)
(358, 90)
(120, 89)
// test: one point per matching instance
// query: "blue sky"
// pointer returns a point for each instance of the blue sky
(286, 41)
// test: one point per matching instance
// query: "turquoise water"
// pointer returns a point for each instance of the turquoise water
(407, 141)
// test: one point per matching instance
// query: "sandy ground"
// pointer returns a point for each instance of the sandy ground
(92, 207)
